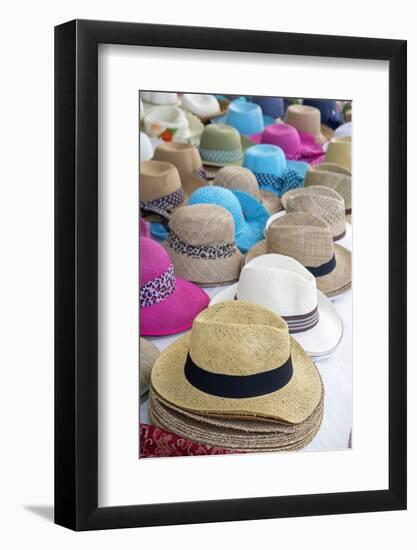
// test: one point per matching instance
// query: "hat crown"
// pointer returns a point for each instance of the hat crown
(239, 338)
(278, 283)
(167, 116)
(246, 117)
(284, 136)
(301, 236)
(332, 176)
(212, 194)
(304, 118)
(339, 151)
(237, 177)
(271, 106)
(327, 107)
(153, 260)
(157, 179)
(265, 159)
(160, 98)
(184, 156)
(203, 224)
(220, 137)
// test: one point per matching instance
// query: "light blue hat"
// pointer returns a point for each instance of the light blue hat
(249, 215)
(158, 231)
(244, 116)
(273, 172)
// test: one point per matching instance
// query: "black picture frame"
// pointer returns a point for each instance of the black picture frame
(76, 271)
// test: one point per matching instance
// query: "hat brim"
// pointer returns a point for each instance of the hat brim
(212, 272)
(271, 201)
(321, 340)
(256, 216)
(159, 232)
(333, 284)
(175, 313)
(148, 354)
(293, 403)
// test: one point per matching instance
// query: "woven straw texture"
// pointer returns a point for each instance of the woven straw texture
(246, 435)
(305, 119)
(307, 239)
(324, 203)
(157, 179)
(239, 338)
(335, 177)
(148, 354)
(204, 225)
(186, 158)
(339, 151)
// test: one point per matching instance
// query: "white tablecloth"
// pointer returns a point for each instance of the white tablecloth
(336, 372)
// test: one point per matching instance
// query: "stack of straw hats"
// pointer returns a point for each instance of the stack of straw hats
(238, 380)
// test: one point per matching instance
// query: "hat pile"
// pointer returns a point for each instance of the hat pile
(206, 386)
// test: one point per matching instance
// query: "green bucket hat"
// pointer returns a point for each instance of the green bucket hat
(222, 145)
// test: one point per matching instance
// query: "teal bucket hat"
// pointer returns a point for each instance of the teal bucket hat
(273, 172)
(249, 214)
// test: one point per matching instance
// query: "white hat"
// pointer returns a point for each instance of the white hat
(160, 98)
(146, 149)
(344, 130)
(202, 105)
(289, 290)
(184, 126)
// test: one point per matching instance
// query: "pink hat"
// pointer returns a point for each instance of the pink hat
(143, 228)
(296, 145)
(168, 305)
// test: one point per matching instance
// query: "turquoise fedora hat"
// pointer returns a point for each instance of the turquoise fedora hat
(273, 172)
(243, 116)
(249, 214)
(158, 231)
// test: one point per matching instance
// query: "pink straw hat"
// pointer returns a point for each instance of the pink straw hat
(168, 305)
(296, 145)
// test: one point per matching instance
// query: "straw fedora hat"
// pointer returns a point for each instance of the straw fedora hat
(221, 145)
(273, 172)
(148, 353)
(168, 304)
(287, 288)
(339, 151)
(239, 359)
(250, 435)
(202, 105)
(186, 158)
(171, 123)
(308, 120)
(201, 245)
(249, 215)
(335, 177)
(308, 240)
(160, 190)
(242, 179)
(296, 145)
(323, 202)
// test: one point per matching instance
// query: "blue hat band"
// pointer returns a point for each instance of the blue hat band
(290, 179)
(217, 155)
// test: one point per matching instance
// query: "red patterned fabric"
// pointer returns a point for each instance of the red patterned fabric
(155, 442)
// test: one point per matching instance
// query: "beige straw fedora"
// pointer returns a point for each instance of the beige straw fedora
(160, 190)
(339, 151)
(323, 202)
(307, 119)
(239, 359)
(148, 353)
(250, 435)
(186, 158)
(242, 179)
(201, 245)
(307, 239)
(335, 177)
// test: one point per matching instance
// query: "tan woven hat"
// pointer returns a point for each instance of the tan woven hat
(323, 202)
(335, 177)
(307, 239)
(201, 245)
(242, 179)
(148, 353)
(160, 190)
(307, 119)
(186, 158)
(246, 435)
(339, 151)
(239, 360)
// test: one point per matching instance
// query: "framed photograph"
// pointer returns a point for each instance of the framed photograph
(230, 252)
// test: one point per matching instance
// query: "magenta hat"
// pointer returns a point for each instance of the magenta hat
(143, 228)
(296, 145)
(168, 304)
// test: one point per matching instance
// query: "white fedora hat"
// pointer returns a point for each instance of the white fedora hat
(160, 98)
(289, 290)
(202, 105)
